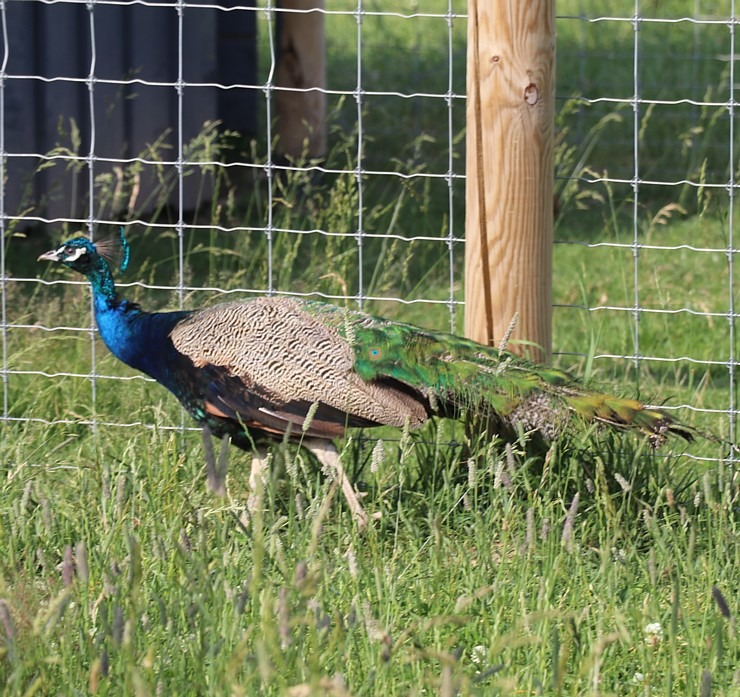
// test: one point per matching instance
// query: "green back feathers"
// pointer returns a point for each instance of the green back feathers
(449, 368)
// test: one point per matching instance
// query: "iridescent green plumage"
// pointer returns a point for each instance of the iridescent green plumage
(458, 375)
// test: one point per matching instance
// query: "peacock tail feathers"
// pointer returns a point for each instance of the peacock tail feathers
(468, 376)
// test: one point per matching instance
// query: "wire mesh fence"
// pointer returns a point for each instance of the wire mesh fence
(140, 114)
(672, 126)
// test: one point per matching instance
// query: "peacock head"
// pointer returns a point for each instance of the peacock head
(84, 256)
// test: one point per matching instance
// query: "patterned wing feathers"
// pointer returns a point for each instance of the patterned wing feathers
(291, 360)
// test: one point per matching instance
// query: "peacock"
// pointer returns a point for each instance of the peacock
(260, 369)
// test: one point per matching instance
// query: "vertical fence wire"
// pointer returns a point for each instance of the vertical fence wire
(180, 224)
(360, 232)
(450, 174)
(636, 186)
(269, 92)
(731, 188)
(3, 279)
(91, 204)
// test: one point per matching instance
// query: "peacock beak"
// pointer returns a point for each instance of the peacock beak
(52, 255)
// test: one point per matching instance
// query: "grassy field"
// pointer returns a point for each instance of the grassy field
(602, 569)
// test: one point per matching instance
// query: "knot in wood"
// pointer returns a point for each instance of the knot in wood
(531, 94)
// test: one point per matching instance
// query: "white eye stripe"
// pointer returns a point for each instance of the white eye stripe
(73, 255)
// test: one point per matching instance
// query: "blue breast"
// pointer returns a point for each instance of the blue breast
(140, 339)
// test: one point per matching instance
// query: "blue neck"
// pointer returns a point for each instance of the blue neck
(101, 280)
(139, 339)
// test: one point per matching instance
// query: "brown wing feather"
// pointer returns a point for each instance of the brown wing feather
(228, 397)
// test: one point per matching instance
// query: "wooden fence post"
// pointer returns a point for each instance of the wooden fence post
(301, 116)
(509, 166)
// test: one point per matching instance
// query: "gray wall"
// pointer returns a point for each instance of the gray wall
(132, 42)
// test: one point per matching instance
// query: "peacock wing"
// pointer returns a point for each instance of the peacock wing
(271, 362)
(230, 397)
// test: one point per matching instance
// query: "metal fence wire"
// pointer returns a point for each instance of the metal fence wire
(160, 116)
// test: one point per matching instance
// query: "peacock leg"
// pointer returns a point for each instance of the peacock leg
(258, 478)
(215, 469)
(327, 455)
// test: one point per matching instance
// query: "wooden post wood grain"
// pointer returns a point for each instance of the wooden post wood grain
(509, 167)
(301, 116)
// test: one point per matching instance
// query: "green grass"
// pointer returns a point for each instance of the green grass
(489, 572)
(120, 571)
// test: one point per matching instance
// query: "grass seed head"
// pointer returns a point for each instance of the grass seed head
(724, 608)
(567, 537)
